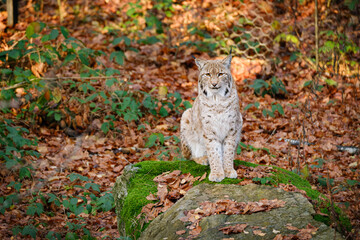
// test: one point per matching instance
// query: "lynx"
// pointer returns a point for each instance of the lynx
(210, 130)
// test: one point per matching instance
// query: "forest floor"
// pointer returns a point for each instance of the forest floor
(325, 118)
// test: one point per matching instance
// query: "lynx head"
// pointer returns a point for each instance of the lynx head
(215, 77)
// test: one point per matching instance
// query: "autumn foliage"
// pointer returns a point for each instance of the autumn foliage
(88, 87)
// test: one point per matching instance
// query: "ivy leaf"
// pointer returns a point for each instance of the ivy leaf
(94, 186)
(24, 172)
(106, 202)
(35, 208)
(15, 53)
(29, 230)
(118, 56)
(110, 82)
(187, 104)
(105, 127)
(307, 83)
(76, 176)
(248, 106)
(69, 58)
(163, 112)
(53, 34)
(151, 140)
(280, 109)
(64, 32)
(352, 182)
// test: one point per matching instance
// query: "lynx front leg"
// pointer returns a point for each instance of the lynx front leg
(229, 154)
(214, 151)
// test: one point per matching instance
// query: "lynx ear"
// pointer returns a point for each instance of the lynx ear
(227, 61)
(200, 63)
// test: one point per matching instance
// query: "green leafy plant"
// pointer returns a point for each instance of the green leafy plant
(14, 147)
(242, 146)
(275, 88)
(256, 104)
(274, 107)
(338, 49)
(163, 144)
(264, 180)
(286, 37)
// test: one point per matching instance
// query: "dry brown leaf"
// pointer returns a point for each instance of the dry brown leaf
(162, 192)
(259, 233)
(203, 177)
(151, 197)
(162, 127)
(290, 227)
(19, 92)
(180, 232)
(306, 233)
(38, 69)
(278, 237)
(167, 177)
(246, 182)
(118, 168)
(166, 205)
(195, 231)
(238, 228)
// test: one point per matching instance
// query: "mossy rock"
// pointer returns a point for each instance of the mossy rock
(297, 211)
(131, 189)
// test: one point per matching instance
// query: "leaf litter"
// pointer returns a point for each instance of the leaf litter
(333, 115)
(173, 185)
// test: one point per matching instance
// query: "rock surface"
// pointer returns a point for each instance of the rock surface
(120, 191)
(297, 212)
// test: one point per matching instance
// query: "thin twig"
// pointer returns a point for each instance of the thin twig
(316, 37)
(332, 209)
(58, 78)
(272, 133)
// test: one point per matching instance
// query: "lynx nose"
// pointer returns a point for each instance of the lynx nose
(214, 84)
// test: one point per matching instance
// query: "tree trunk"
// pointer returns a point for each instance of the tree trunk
(13, 12)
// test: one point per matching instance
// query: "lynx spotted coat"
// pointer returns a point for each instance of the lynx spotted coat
(210, 130)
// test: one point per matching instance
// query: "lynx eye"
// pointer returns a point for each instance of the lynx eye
(207, 74)
(220, 74)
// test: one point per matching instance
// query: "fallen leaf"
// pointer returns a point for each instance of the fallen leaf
(180, 232)
(162, 192)
(151, 197)
(203, 177)
(162, 127)
(245, 182)
(275, 231)
(259, 233)
(118, 168)
(278, 237)
(238, 228)
(38, 69)
(290, 227)
(195, 231)
(19, 92)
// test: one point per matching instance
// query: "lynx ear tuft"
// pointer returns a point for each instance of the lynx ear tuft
(227, 61)
(200, 63)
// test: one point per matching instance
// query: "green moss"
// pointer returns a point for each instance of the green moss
(319, 200)
(142, 184)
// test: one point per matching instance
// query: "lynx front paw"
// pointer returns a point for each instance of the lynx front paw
(216, 177)
(201, 160)
(231, 173)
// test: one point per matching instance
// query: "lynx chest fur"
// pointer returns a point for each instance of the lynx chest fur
(211, 129)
